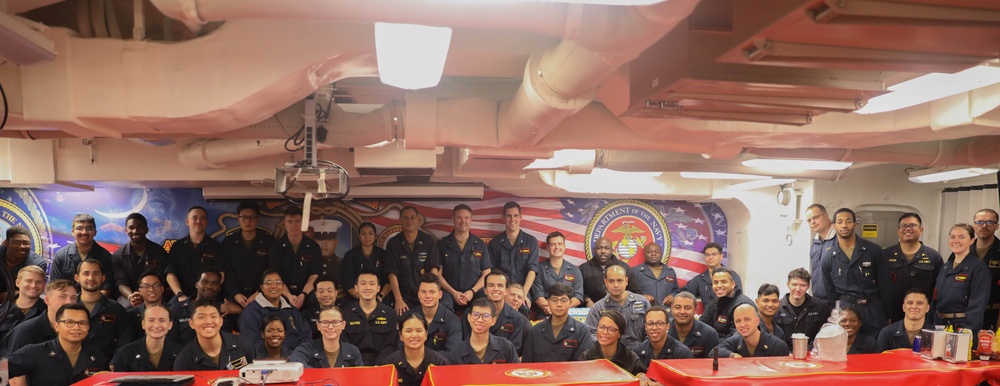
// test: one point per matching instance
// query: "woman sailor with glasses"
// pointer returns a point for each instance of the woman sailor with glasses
(328, 351)
(609, 345)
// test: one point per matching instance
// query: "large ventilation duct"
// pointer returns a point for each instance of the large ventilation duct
(215, 154)
(563, 79)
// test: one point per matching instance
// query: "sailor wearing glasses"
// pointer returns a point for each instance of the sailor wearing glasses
(269, 302)
(988, 249)
(660, 345)
(482, 347)
(60, 361)
(328, 351)
(911, 264)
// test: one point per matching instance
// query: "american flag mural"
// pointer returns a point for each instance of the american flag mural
(688, 226)
(681, 228)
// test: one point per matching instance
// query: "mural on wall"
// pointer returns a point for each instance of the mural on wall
(681, 228)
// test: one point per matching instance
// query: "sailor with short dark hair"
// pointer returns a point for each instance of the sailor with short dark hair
(60, 361)
(483, 347)
(659, 345)
(558, 338)
(213, 349)
(371, 325)
(697, 336)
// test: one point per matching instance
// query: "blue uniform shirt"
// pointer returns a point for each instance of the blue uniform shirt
(657, 286)
(498, 350)
(409, 263)
(46, 364)
(297, 330)
(541, 346)
(312, 355)
(963, 289)
(186, 261)
(510, 325)
(819, 244)
(444, 331)
(35, 330)
(245, 265)
(701, 287)
(32, 259)
(894, 335)
(768, 346)
(407, 375)
(462, 267)
(128, 265)
(920, 272)
(861, 281)
(701, 339)
(518, 259)
(864, 344)
(134, 357)
(546, 277)
(236, 353)
(672, 349)
(992, 260)
(67, 260)
(375, 335)
(295, 267)
(633, 309)
(110, 327)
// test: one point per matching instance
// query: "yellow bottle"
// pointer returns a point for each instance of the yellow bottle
(996, 346)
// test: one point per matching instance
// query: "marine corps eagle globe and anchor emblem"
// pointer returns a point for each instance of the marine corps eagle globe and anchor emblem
(630, 225)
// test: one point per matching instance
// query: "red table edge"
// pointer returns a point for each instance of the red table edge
(429, 378)
(200, 376)
(661, 363)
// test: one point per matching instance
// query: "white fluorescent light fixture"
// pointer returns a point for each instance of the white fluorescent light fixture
(562, 159)
(411, 56)
(931, 87)
(611, 181)
(597, 2)
(609, 2)
(791, 165)
(926, 176)
(721, 176)
(750, 185)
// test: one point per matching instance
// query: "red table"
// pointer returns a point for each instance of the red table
(374, 376)
(596, 372)
(898, 367)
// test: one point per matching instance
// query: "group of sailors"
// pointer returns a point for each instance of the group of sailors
(207, 305)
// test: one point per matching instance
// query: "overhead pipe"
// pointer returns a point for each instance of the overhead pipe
(216, 153)
(563, 79)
